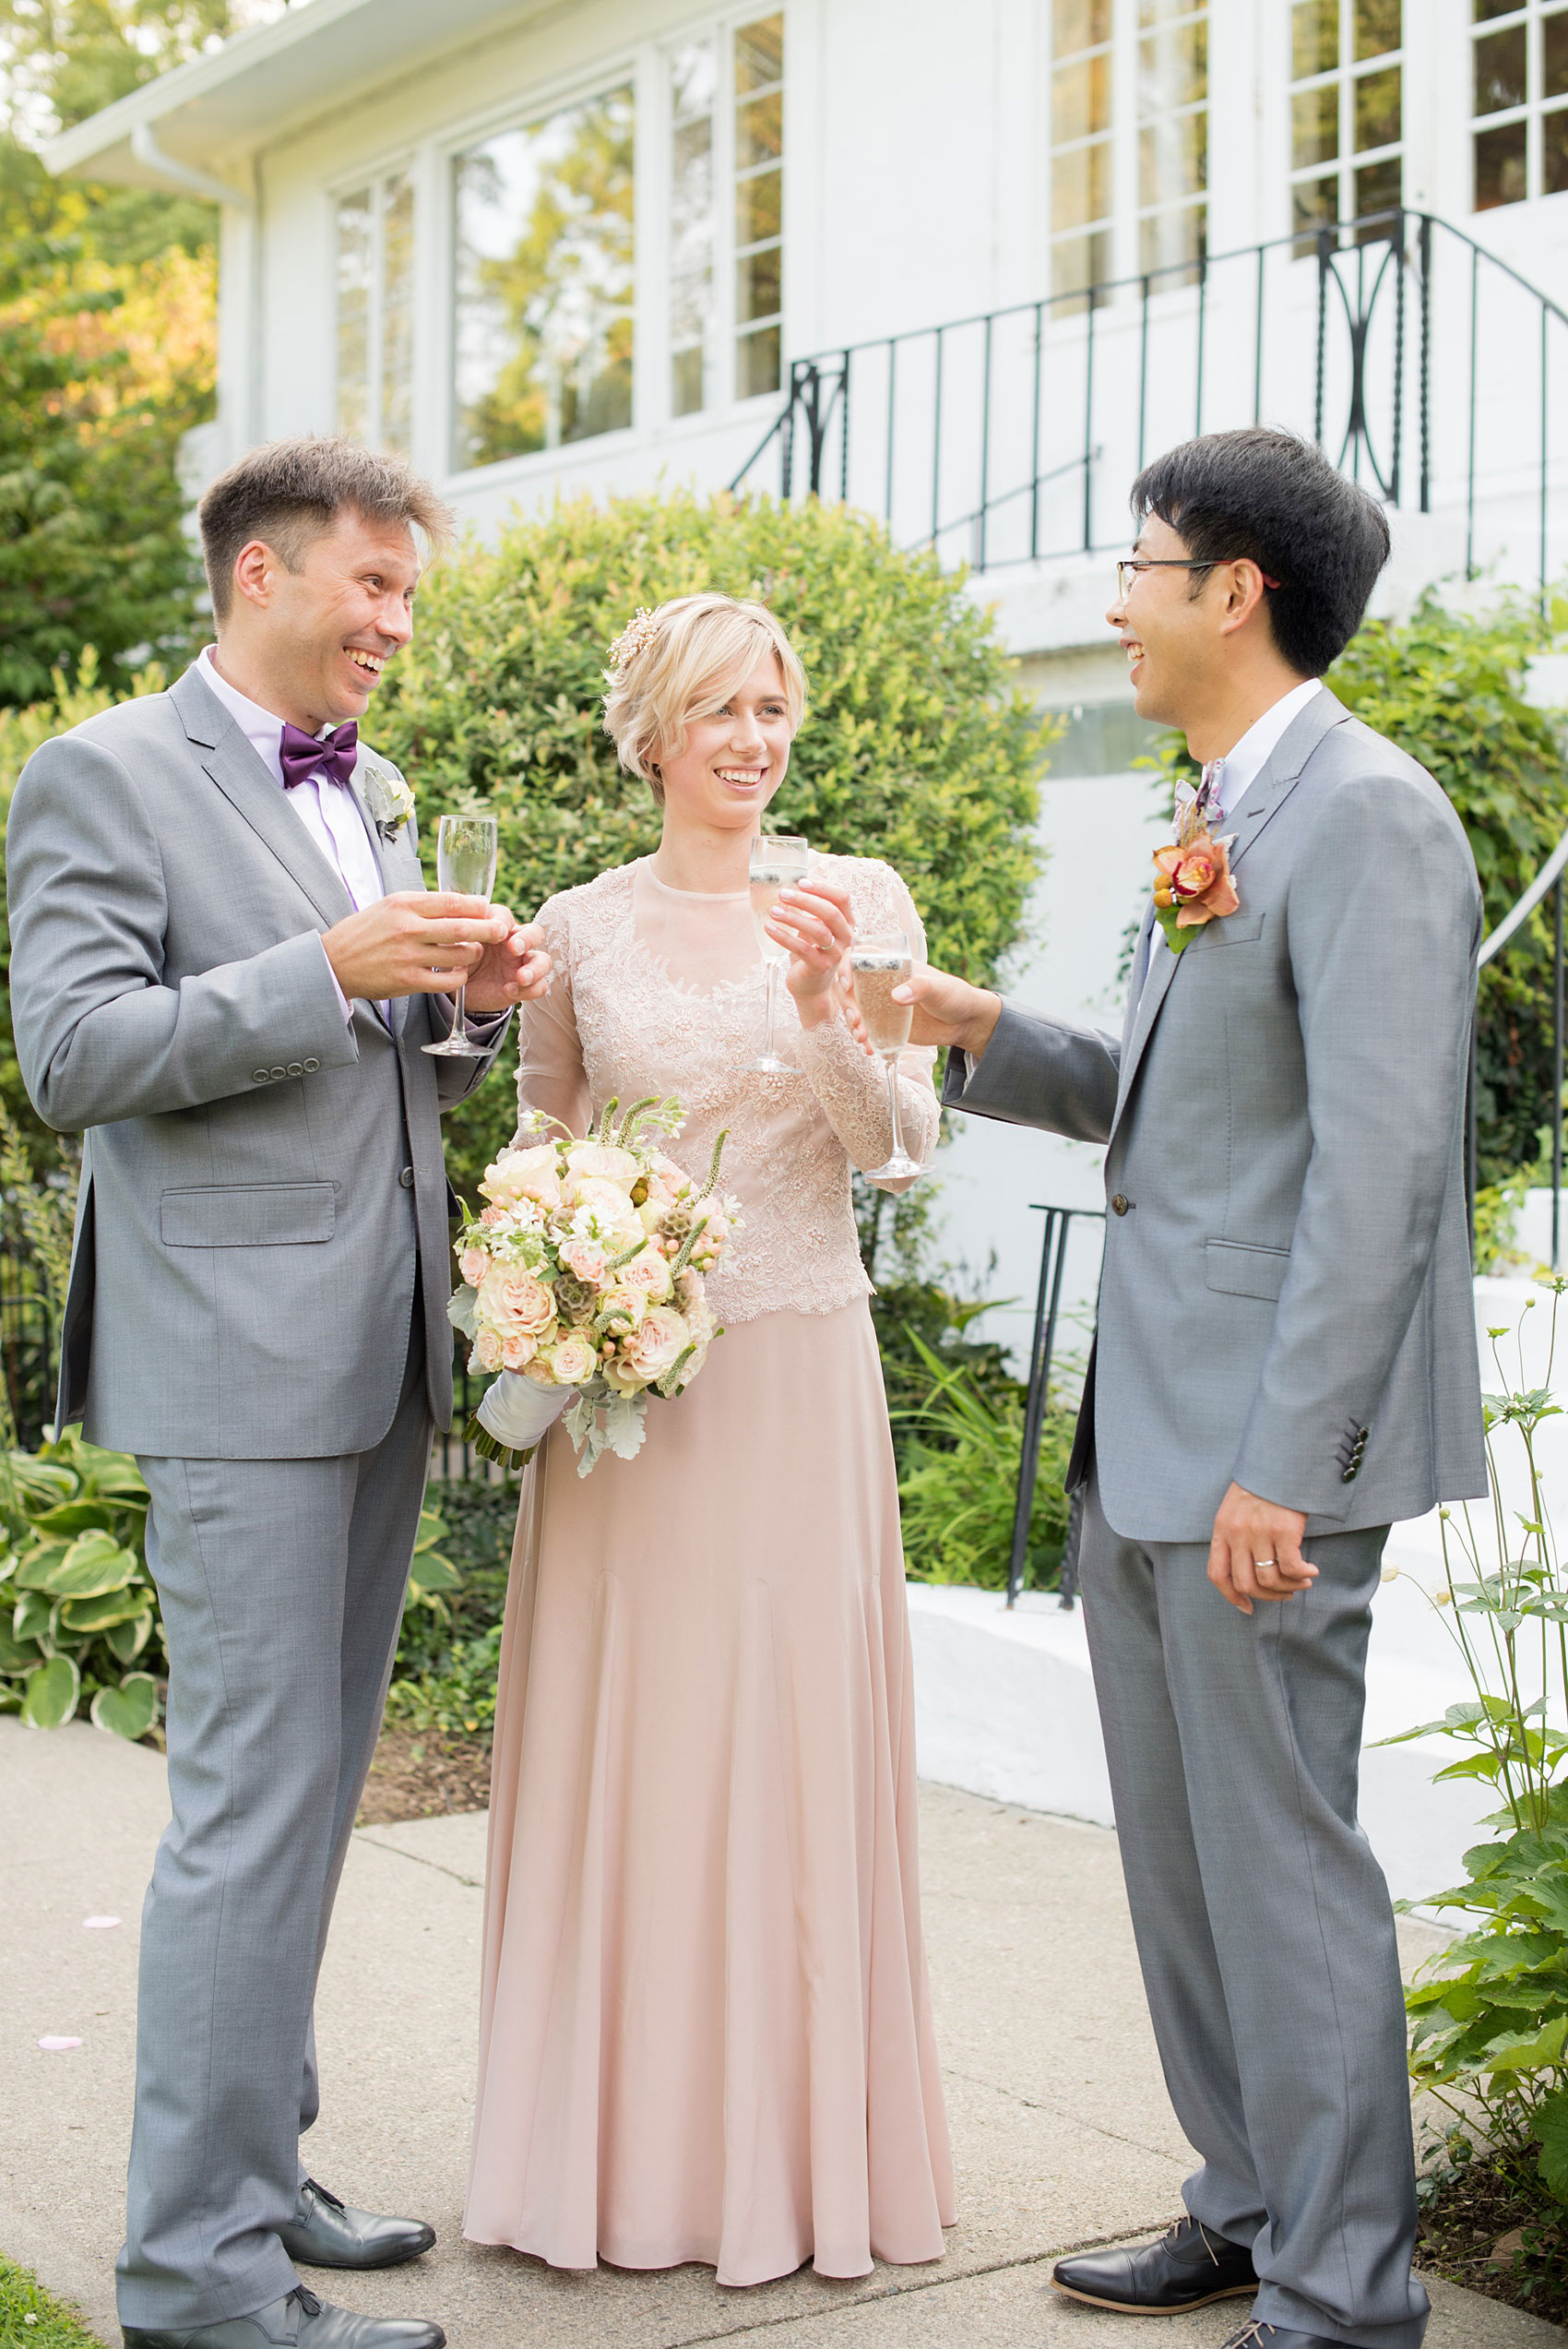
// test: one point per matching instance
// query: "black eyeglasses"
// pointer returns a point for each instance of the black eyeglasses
(1127, 570)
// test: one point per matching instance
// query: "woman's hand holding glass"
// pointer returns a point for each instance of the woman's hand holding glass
(813, 925)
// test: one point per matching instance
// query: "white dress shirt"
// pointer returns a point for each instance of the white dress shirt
(326, 808)
(1237, 772)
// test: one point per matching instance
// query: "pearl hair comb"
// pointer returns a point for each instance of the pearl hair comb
(632, 640)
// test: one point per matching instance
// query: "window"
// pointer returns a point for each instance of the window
(1158, 49)
(735, 144)
(1347, 122)
(1081, 201)
(543, 282)
(376, 276)
(1520, 139)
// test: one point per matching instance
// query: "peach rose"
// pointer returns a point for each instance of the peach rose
(512, 1300)
(487, 1353)
(583, 1259)
(517, 1351)
(658, 1345)
(573, 1359)
(609, 1205)
(648, 1272)
(473, 1264)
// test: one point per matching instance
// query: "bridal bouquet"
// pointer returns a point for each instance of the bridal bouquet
(584, 1282)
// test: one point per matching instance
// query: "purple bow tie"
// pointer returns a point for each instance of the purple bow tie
(332, 754)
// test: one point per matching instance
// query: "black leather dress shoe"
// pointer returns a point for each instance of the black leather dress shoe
(324, 2233)
(300, 2322)
(1279, 2336)
(1186, 2269)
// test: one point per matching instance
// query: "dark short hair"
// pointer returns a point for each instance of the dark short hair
(1277, 501)
(289, 491)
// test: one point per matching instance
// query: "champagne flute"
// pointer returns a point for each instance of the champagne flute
(880, 961)
(778, 862)
(465, 864)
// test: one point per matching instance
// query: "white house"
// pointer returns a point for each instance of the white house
(549, 246)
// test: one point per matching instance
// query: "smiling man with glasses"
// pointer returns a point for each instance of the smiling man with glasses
(1285, 1365)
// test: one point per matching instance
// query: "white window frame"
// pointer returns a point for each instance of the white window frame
(1125, 223)
(374, 177)
(1536, 105)
(1344, 76)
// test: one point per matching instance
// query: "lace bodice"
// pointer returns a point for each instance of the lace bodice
(660, 991)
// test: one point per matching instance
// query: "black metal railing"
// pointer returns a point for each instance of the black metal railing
(27, 1349)
(1421, 362)
(1042, 1350)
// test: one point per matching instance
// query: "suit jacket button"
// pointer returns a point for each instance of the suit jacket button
(296, 1068)
(310, 1066)
(1348, 1477)
(258, 1076)
(277, 1072)
(1120, 1204)
(406, 1178)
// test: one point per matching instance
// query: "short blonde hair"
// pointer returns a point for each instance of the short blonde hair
(683, 661)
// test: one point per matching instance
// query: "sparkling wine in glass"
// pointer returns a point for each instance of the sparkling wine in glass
(778, 862)
(465, 865)
(880, 960)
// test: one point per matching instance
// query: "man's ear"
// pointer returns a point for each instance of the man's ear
(255, 567)
(1243, 585)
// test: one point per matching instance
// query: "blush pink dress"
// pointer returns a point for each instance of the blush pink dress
(705, 2029)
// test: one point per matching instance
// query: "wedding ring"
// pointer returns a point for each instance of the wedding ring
(1263, 1561)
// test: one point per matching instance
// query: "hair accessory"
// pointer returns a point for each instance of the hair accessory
(632, 640)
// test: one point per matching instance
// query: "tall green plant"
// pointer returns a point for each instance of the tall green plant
(958, 1484)
(1491, 2012)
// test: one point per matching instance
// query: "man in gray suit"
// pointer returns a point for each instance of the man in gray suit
(224, 965)
(1286, 1361)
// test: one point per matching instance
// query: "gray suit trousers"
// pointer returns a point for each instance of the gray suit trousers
(1262, 1920)
(282, 1585)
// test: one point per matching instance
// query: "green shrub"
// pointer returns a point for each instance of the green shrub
(958, 1482)
(80, 1619)
(916, 748)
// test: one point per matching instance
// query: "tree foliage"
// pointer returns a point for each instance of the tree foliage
(916, 747)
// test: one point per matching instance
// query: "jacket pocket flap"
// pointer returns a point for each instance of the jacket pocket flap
(248, 1215)
(1241, 1272)
(1237, 929)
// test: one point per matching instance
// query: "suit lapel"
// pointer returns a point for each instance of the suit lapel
(231, 763)
(1251, 815)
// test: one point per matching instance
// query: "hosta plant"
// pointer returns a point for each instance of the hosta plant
(1489, 2012)
(79, 1610)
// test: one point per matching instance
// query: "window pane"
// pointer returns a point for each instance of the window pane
(356, 245)
(1554, 153)
(1080, 98)
(759, 54)
(1080, 185)
(1078, 24)
(397, 312)
(693, 72)
(1314, 126)
(1172, 68)
(1077, 263)
(687, 382)
(1500, 167)
(1554, 56)
(759, 206)
(1315, 38)
(1500, 70)
(1172, 158)
(1379, 188)
(1158, 12)
(1377, 109)
(1314, 203)
(544, 248)
(758, 284)
(759, 130)
(1171, 242)
(1377, 26)
(1486, 9)
(757, 363)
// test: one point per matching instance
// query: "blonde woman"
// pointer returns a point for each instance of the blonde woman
(706, 2032)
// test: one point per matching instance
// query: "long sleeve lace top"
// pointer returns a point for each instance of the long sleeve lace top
(662, 990)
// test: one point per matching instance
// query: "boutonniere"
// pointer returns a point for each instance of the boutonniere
(388, 797)
(1192, 882)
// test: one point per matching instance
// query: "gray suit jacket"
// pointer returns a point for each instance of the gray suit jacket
(259, 1176)
(1286, 1298)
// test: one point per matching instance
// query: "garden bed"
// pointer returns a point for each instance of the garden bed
(1479, 2231)
(425, 1774)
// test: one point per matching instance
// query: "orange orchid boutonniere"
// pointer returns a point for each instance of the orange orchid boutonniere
(1192, 883)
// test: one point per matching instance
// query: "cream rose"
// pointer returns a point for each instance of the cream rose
(517, 1351)
(657, 1344)
(583, 1259)
(524, 1174)
(600, 1161)
(514, 1301)
(648, 1272)
(573, 1359)
(487, 1353)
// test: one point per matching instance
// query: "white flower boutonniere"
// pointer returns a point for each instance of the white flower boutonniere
(388, 797)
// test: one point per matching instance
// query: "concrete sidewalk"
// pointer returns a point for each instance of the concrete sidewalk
(1061, 2127)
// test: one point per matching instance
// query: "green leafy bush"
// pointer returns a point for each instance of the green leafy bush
(1489, 2012)
(80, 1612)
(917, 747)
(958, 1480)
